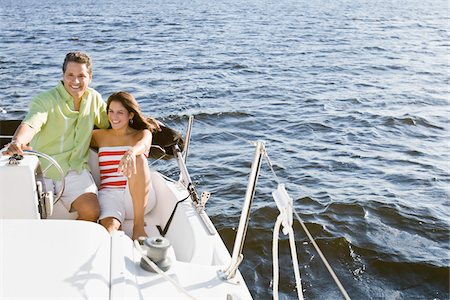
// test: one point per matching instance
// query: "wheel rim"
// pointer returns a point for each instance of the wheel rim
(55, 164)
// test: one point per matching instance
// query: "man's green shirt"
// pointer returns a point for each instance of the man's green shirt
(62, 132)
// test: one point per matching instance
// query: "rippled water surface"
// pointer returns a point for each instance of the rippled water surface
(351, 98)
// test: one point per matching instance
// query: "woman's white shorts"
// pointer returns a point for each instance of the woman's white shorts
(117, 203)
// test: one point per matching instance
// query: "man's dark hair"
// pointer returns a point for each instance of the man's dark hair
(78, 57)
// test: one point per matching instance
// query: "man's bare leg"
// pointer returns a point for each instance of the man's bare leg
(87, 207)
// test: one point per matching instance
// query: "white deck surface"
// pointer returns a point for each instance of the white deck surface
(65, 259)
(54, 259)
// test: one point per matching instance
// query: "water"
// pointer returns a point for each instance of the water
(351, 98)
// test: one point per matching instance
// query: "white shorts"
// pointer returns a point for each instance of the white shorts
(76, 184)
(117, 203)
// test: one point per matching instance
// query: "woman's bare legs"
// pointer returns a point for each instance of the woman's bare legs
(139, 185)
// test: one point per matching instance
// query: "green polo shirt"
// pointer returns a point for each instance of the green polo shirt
(62, 132)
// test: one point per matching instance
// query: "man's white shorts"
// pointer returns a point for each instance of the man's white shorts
(117, 203)
(76, 184)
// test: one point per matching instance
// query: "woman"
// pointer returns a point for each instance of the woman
(125, 190)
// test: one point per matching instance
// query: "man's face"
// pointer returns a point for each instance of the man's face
(76, 79)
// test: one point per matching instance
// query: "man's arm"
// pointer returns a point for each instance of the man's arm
(23, 135)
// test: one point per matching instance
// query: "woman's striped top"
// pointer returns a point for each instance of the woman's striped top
(108, 162)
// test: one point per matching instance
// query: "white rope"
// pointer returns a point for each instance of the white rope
(298, 280)
(284, 205)
(161, 272)
(275, 267)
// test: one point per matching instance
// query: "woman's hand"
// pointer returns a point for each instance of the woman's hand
(127, 164)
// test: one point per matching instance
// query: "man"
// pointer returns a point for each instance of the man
(60, 123)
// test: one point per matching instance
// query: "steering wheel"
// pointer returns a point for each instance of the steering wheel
(53, 163)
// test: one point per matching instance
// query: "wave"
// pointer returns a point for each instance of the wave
(413, 121)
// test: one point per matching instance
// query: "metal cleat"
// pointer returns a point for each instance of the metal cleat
(204, 198)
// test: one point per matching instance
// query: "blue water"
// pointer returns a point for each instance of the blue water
(351, 98)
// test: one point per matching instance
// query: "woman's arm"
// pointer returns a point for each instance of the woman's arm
(127, 164)
(143, 145)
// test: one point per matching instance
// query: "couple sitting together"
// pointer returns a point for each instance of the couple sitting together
(60, 123)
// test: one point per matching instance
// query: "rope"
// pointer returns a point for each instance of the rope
(269, 162)
(156, 160)
(295, 264)
(298, 281)
(324, 260)
(276, 230)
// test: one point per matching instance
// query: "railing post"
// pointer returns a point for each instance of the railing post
(187, 139)
(237, 256)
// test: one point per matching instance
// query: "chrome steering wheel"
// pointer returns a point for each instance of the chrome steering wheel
(55, 164)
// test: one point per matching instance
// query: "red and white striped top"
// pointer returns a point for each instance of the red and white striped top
(108, 162)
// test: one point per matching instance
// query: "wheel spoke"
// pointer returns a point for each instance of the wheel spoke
(46, 169)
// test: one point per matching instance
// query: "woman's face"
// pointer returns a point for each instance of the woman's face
(118, 115)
